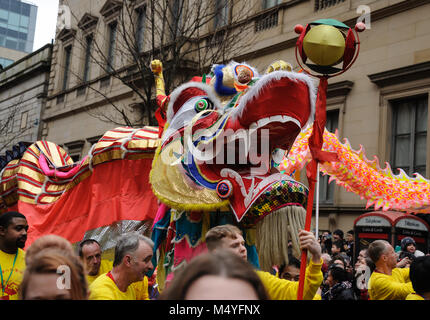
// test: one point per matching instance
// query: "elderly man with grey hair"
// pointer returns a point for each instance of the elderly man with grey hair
(133, 254)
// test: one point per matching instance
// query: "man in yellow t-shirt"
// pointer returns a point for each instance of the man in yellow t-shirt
(90, 253)
(230, 237)
(13, 235)
(133, 254)
(387, 282)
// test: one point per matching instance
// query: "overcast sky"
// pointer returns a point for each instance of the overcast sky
(46, 22)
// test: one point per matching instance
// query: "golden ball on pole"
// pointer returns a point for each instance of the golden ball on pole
(324, 45)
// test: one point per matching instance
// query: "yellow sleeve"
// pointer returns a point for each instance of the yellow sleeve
(277, 289)
(314, 278)
(281, 289)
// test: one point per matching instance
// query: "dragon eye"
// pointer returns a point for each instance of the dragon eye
(202, 105)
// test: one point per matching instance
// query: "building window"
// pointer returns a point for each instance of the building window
(326, 189)
(94, 140)
(409, 135)
(266, 21)
(9, 123)
(74, 149)
(67, 58)
(177, 7)
(87, 64)
(111, 46)
(105, 82)
(221, 13)
(216, 38)
(140, 31)
(81, 91)
(270, 3)
(24, 120)
(322, 4)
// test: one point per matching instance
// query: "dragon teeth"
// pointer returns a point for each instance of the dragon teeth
(262, 122)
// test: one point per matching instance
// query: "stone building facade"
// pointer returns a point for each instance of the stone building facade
(23, 91)
(381, 103)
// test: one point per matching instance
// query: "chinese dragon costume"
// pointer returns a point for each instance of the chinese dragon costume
(225, 152)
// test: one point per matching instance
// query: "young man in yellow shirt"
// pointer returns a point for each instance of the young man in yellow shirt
(230, 237)
(13, 235)
(133, 254)
(387, 282)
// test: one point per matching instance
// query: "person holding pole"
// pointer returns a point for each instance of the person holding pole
(230, 237)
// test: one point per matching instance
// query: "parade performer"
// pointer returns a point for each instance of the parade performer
(230, 237)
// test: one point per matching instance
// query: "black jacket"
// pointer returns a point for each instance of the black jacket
(340, 291)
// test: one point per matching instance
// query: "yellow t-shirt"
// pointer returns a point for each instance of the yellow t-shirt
(105, 267)
(281, 289)
(397, 286)
(141, 289)
(10, 291)
(414, 296)
(103, 288)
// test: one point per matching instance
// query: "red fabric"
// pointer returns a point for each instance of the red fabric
(160, 115)
(162, 101)
(200, 79)
(349, 49)
(185, 95)
(316, 138)
(282, 97)
(115, 191)
(315, 145)
(299, 43)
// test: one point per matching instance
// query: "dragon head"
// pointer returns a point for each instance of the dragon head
(224, 137)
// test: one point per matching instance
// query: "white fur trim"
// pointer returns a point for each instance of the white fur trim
(277, 75)
(177, 92)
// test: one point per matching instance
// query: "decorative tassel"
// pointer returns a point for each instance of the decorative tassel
(275, 231)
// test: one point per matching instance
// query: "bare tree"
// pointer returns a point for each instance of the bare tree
(10, 133)
(188, 36)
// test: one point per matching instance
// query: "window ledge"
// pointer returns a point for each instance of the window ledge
(401, 75)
